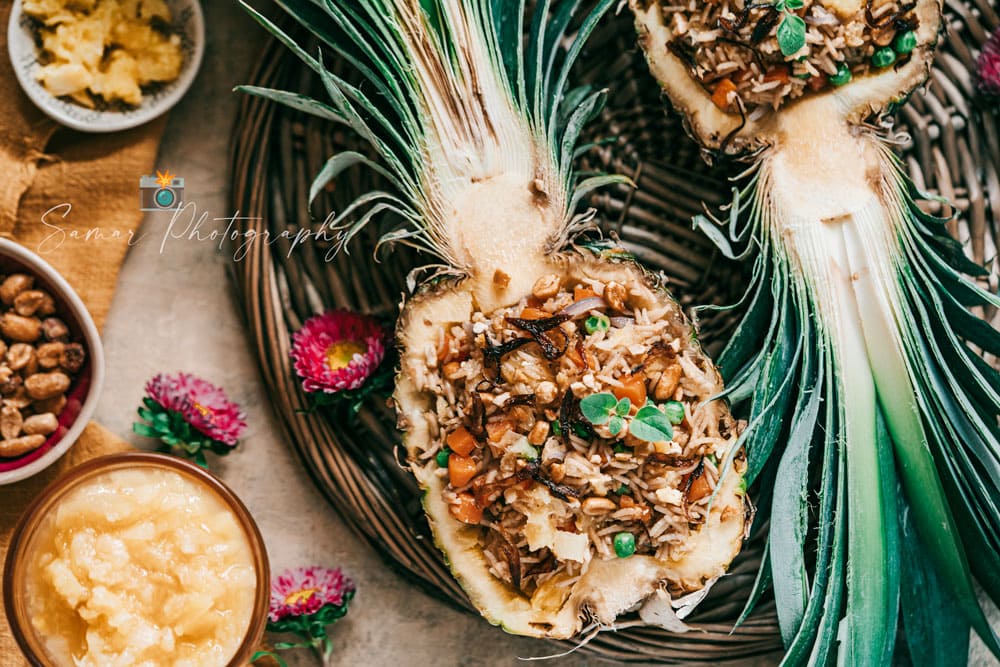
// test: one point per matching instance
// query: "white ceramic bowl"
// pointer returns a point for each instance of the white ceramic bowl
(86, 387)
(24, 56)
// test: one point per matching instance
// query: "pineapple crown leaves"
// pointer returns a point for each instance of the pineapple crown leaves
(453, 88)
(779, 366)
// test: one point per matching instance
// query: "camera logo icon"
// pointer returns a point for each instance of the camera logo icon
(163, 192)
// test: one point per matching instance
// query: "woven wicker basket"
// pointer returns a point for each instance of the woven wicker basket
(953, 150)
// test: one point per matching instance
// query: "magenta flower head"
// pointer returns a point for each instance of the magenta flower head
(988, 66)
(339, 355)
(306, 601)
(189, 416)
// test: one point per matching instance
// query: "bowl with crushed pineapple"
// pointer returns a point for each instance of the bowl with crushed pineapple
(105, 65)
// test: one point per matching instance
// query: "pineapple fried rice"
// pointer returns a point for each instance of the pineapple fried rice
(752, 57)
(549, 486)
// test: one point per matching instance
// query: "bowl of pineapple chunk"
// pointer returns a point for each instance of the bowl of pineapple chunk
(105, 65)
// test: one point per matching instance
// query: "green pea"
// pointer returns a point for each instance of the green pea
(674, 410)
(842, 76)
(624, 544)
(883, 57)
(442, 457)
(905, 42)
(597, 323)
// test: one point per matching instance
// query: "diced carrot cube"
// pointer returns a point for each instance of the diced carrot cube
(581, 292)
(466, 510)
(461, 470)
(699, 488)
(633, 388)
(720, 95)
(461, 441)
(495, 430)
(573, 354)
(530, 313)
(816, 83)
(778, 73)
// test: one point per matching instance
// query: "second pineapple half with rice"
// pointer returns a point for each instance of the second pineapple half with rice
(556, 406)
(873, 415)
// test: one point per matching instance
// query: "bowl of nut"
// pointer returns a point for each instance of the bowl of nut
(51, 364)
(105, 65)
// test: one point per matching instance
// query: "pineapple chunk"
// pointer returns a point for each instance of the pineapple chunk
(65, 78)
(119, 80)
(105, 48)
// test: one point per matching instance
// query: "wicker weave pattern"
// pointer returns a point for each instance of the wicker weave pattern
(953, 150)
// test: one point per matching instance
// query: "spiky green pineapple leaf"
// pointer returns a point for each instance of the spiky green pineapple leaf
(957, 439)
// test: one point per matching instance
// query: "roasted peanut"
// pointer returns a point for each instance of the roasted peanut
(46, 385)
(666, 385)
(21, 329)
(42, 424)
(28, 302)
(546, 392)
(32, 340)
(557, 472)
(47, 307)
(22, 445)
(55, 329)
(539, 432)
(14, 285)
(546, 287)
(616, 294)
(19, 356)
(10, 422)
(72, 358)
(9, 382)
(595, 506)
(54, 405)
(19, 397)
(49, 355)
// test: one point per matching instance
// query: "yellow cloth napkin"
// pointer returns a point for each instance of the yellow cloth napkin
(45, 168)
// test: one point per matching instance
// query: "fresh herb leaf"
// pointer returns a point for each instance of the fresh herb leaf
(791, 34)
(615, 425)
(597, 408)
(674, 411)
(651, 425)
(623, 407)
(794, 4)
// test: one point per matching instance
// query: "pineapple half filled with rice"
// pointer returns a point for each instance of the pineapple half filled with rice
(874, 417)
(557, 409)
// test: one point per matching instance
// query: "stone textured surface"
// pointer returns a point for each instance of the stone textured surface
(174, 311)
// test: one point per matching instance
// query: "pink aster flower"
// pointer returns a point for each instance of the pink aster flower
(338, 351)
(305, 601)
(189, 416)
(988, 66)
(305, 590)
(204, 406)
